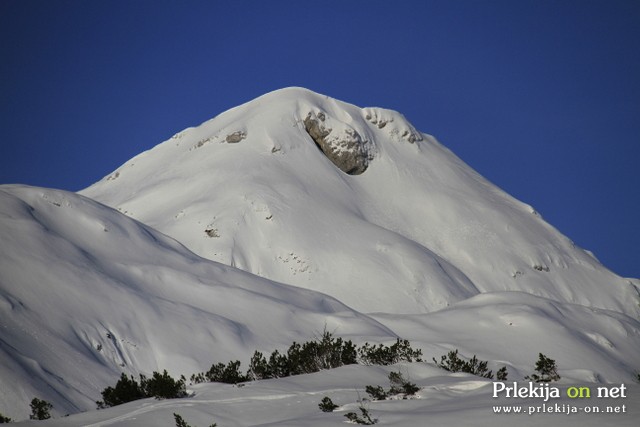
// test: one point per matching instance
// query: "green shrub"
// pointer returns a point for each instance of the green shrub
(229, 374)
(278, 365)
(326, 405)
(221, 373)
(4, 419)
(258, 367)
(326, 352)
(400, 385)
(376, 392)
(127, 389)
(40, 409)
(163, 386)
(401, 351)
(452, 363)
(180, 422)
(365, 419)
(546, 370)
(502, 373)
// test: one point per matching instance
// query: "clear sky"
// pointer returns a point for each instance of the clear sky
(540, 97)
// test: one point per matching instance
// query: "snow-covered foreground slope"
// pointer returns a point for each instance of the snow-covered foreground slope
(414, 232)
(452, 400)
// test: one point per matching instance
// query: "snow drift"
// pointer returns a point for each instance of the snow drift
(87, 293)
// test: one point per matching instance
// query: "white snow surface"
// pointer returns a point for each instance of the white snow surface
(417, 231)
(241, 235)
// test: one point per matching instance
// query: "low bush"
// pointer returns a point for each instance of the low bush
(326, 352)
(502, 373)
(399, 385)
(127, 389)
(219, 373)
(162, 386)
(326, 405)
(401, 351)
(40, 409)
(180, 422)
(376, 392)
(546, 370)
(452, 363)
(364, 419)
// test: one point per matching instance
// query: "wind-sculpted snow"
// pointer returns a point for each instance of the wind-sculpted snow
(416, 231)
(87, 293)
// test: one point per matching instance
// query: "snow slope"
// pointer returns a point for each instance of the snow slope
(270, 242)
(415, 232)
(444, 400)
(87, 293)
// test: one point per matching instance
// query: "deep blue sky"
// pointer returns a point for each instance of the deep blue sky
(541, 97)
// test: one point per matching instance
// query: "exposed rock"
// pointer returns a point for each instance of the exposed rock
(236, 136)
(346, 148)
(398, 125)
(212, 232)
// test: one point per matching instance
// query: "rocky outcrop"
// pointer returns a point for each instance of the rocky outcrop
(236, 137)
(342, 144)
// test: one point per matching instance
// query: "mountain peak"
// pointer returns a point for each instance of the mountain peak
(343, 132)
(311, 191)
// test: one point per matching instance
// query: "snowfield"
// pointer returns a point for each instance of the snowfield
(278, 219)
(444, 400)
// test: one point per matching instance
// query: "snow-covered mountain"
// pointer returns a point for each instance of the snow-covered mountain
(414, 231)
(290, 214)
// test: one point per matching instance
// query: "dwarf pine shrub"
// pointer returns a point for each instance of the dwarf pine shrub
(258, 367)
(546, 370)
(399, 385)
(401, 351)
(502, 373)
(221, 373)
(364, 419)
(127, 389)
(327, 405)
(453, 363)
(162, 386)
(376, 392)
(40, 409)
(180, 422)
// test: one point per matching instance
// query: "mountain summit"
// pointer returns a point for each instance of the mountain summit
(307, 190)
